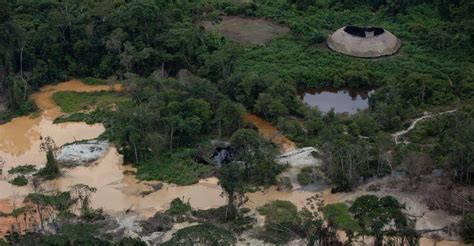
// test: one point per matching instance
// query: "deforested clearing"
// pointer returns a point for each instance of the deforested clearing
(246, 31)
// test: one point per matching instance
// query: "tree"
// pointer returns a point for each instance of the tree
(313, 228)
(346, 161)
(444, 9)
(231, 179)
(51, 170)
(270, 107)
(82, 193)
(338, 217)
(467, 228)
(41, 203)
(282, 221)
(228, 117)
(383, 217)
(256, 155)
(456, 143)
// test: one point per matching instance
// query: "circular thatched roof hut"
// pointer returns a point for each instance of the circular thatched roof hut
(364, 42)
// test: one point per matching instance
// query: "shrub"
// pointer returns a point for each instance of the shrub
(467, 228)
(219, 216)
(51, 170)
(304, 177)
(76, 234)
(19, 180)
(178, 207)
(204, 234)
(23, 169)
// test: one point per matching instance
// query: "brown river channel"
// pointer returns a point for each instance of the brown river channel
(116, 192)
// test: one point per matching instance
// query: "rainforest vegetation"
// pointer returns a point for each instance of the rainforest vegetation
(185, 86)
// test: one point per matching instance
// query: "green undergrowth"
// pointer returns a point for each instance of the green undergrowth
(23, 169)
(71, 101)
(178, 207)
(96, 116)
(179, 169)
(19, 180)
(304, 177)
(217, 216)
(204, 234)
(25, 108)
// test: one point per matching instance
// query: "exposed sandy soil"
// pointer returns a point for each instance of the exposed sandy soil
(426, 219)
(22, 223)
(116, 191)
(117, 188)
(246, 31)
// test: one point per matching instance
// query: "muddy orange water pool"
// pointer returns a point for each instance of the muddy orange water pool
(19, 145)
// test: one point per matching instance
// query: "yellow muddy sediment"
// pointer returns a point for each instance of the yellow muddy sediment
(271, 133)
(116, 191)
(22, 223)
(20, 138)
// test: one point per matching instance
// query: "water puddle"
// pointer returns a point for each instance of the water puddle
(342, 100)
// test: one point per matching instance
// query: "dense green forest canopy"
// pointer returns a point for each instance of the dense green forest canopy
(185, 86)
(144, 42)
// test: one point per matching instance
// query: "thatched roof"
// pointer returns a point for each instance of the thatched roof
(364, 42)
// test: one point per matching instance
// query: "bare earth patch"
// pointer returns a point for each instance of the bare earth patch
(246, 31)
(427, 219)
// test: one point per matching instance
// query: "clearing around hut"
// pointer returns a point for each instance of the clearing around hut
(246, 31)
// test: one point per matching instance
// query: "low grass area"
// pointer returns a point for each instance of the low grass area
(93, 81)
(71, 101)
(96, 116)
(174, 169)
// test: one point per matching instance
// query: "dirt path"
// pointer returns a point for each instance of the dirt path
(426, 115)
